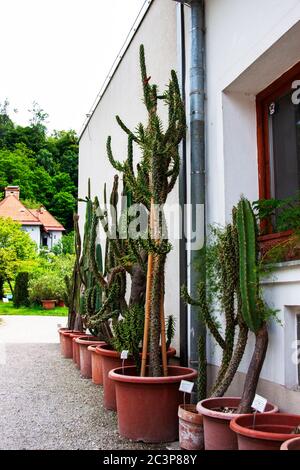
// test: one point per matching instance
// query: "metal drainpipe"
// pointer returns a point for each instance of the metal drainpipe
(183, 316)
(197, 162)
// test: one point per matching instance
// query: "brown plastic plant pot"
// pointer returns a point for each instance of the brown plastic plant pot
(191, 436)
(111, 360)
(60, 333)
(148, 406)
(65, 344)
(267, 432)
(85, 355)
(97, 374)
(75, 346)
(48, 304)
(67, 348)
(217, 432)
(291, 444)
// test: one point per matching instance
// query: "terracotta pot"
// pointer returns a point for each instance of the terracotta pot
(291, 444)
(217, 433)
(48, 304)
(60, 333)
(148, 406)
(60, 303)
(97, 374)
(75, 348)
(66, 345)
(85, 355)
(191, 436)
(268, 433)
(110, 360)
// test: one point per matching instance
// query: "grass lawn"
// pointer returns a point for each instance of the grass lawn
(9, 309)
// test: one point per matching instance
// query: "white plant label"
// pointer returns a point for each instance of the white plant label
(186, 386)
(259, 403)
(124, 354)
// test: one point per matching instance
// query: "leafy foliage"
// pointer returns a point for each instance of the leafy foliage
(45, 167)
(280, 214)
(16, 248)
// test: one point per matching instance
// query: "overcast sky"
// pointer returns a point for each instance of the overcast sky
(58, 53)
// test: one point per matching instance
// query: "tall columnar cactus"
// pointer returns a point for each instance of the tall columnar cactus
(253, 309)
(234, 281)
(151, 182)
(222, 285)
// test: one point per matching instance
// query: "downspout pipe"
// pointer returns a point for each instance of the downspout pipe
(197, 166)
(195, 257)
(183, 313)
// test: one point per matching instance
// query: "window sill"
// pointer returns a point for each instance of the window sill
(290, 247)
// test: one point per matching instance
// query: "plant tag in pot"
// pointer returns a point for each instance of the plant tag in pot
(259, 403)
(186, 386)
(124, 354)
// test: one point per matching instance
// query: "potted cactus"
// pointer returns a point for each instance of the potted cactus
(147, 402)
(233, 279)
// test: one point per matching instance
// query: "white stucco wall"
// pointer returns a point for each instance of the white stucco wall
(54, 237)
(249, 45)
(34, 231)
(124, 97)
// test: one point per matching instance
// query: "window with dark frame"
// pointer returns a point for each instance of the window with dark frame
(278, 125)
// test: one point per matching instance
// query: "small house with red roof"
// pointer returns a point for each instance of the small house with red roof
(42, 227)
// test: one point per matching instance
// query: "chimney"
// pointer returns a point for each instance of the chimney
(12, 191)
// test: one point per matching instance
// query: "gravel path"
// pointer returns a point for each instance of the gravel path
(44, 404)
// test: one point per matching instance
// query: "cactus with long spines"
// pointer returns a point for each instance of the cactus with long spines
(248, 260)
(152, 180)
(238, 276)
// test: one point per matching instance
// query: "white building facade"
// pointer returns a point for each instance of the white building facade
(251, 51)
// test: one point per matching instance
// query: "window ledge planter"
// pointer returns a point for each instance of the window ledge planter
(273, 240)
(85, 354)
(148, 406)
(48, 304)
(111, 360)
(191, 435)
(291, 444)
(217, 433)
(270, 430)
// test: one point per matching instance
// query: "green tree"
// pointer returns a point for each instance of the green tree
(41, 165)
(62, 207)
(16, 247)
(21, 294)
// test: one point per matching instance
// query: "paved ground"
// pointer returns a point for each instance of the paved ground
(44, 404)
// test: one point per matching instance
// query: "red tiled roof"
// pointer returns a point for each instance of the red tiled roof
(48, 221)
(12, 207)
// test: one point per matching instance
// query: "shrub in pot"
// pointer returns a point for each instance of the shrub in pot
(148, 403)
(43, 289)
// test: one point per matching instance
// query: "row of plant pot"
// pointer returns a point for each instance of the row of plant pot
(214, 425)
(147, 406)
